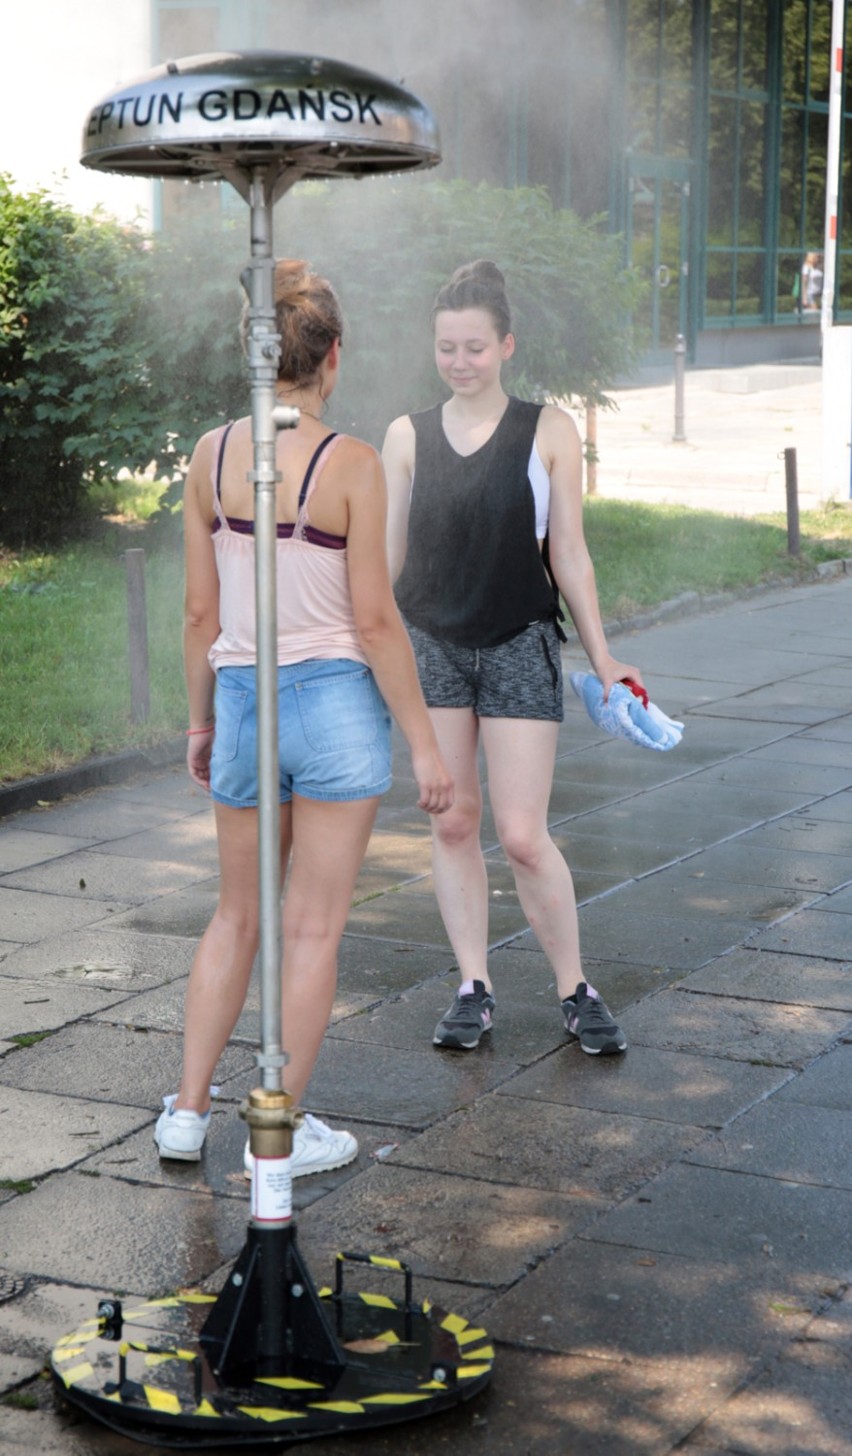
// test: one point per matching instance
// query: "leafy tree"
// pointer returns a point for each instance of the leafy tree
(71, 372)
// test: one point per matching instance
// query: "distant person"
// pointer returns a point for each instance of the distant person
(477, 485)
(343, 654)
(811, 283)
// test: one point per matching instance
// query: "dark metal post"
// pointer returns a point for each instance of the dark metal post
(791, 481)
(137, 624)
(679, 371)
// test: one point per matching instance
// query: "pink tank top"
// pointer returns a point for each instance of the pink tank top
(315, 618)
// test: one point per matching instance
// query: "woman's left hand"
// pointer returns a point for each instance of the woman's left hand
(611, 671)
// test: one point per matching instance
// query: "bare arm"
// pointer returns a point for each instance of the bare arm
(561, 451)
(201, 611)
(381, 630)
(398, 460)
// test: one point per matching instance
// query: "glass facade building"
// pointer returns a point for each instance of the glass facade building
(695, 129)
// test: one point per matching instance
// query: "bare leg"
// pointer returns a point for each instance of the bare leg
(520, 754)
(329, 844)
(220, 972)
(458, 867)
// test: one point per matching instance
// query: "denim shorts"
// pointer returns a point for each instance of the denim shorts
(334, 734)
(521, 678)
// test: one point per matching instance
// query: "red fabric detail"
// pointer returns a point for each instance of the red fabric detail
(636, 690)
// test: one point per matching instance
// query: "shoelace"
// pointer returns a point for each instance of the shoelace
(595, 1011)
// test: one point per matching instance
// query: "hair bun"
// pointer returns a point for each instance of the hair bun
(477, 285)
(291, 278)
(482, 270)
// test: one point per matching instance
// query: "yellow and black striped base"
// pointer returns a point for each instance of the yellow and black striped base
(151, 1373)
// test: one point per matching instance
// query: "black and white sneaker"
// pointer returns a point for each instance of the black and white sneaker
(589, 1021)
(469, 1016)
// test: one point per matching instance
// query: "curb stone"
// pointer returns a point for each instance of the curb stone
(117, 768)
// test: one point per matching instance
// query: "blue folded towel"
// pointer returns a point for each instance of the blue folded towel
(627, 713)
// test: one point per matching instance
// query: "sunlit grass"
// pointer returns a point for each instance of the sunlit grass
(646, 554)
(66, 679)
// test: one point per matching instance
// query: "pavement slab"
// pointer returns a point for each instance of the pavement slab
(776, 1140)
(127, 1235)
(28, 915)
(631, 1303)
(27, 1006)
(827, 1082)
(108, 1064)
(533, 1144)
(815, 932)
(765, 975)
(728, 1027)
(20, 848)
(741, 1218)
(466, 1229)
(673, 1087)
(107, 957)
(408, 1088)
(61, 1131)
(106, 877)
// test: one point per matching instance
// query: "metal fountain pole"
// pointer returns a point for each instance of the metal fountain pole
(271, 1360)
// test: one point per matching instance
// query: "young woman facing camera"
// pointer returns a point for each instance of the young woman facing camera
(476, 485)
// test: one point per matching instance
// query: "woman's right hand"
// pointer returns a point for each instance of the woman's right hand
(434, 782)
(199, 749)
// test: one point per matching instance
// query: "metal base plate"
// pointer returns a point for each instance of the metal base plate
(154, 1382)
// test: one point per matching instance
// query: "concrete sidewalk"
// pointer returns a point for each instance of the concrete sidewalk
(659, 1244)
(737, 423)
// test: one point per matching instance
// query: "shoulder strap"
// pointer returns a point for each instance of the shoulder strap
(312, 466)
(220, 458)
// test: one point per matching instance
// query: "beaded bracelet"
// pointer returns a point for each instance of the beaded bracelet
(191, 731)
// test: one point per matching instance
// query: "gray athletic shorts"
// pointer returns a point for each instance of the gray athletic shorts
(521, 678)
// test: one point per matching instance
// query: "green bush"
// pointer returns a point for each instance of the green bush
(71, 367)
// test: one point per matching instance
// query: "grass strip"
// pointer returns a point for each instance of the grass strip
(63, 615)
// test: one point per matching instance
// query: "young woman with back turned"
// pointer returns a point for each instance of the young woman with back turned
(343, 654)
(475, 486)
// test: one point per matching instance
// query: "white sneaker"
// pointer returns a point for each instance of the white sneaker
(180, 1134)
(317, 1148)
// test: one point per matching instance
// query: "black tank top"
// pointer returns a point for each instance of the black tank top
(473, 571)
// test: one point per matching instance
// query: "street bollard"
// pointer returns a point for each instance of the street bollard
(679, 372)
(791, 481)
(137, 623)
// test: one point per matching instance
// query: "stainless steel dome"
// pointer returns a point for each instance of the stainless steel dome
(216, 116)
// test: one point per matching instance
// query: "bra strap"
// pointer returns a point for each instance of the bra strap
(225, 433)
(311, 466)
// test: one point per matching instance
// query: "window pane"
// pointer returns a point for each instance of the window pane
(755, 37)
(719, 284)
(676, 60)
(752, 172)
(724, 44)
(643, 19)
(843, 285)
(794, 54)
(750, 283)
(675, 124)
(722, 154)
(790, 179)
(642, 113)
(820, 49)
(815, 183)
(787, 279)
